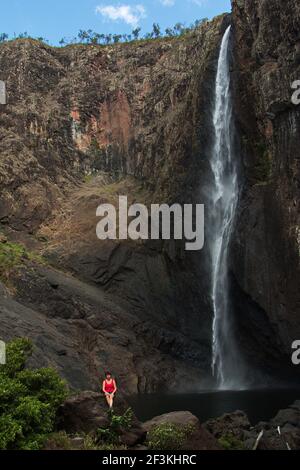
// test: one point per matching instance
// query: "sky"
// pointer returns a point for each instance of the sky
(54, 19)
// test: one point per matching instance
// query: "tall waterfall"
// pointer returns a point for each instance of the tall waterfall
(223, 200)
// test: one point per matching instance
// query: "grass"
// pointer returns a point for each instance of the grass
(168, 436)
(13, 256)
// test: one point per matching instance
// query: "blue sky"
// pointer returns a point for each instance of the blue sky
(54, 19)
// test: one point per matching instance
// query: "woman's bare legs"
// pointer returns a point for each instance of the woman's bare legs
(110, 400)
(107, 396)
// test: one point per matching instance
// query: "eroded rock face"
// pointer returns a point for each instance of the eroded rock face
(138, 111)
(142, 113)
(265, 268)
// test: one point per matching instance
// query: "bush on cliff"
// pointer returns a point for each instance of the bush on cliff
(29, 399)
(168, 436)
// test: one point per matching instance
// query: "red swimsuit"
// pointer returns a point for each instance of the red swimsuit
(109, 387)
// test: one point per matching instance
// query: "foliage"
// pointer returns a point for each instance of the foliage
(90, 443)
(29, 399)
(13, 255)
(263, 168)
(91, 37)
(111, 435)
(230, 442)
(58, 441)
(168, 436)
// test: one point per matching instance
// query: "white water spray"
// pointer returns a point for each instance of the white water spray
(223, 200)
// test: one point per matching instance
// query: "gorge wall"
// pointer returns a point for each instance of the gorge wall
(84, 124)
(265, 269)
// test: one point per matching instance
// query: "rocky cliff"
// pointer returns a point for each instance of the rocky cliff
(84, 124)
(265, 268)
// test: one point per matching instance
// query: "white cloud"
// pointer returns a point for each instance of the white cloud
(129, 14)
(168, 3)
(200, 3)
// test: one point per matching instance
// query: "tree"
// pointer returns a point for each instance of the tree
(117, 38)
(179, 29)
(3, 37)
(156, 32)
(29, 399)
(83, 35)
(108, 38)
(136, 33)
(169, 32)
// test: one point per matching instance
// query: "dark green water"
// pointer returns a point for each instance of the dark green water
(260, 405)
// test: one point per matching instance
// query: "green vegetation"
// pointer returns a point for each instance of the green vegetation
(91, 37)
(168, 436)
(111, 435)
(230, 442)
(29, 399)
(263, 168)
(12, 256)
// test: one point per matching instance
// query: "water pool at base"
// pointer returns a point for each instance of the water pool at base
(259, 405)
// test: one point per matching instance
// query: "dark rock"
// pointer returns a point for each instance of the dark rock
(83, 413)
(88, 411)
(265, 262)
(236, 424)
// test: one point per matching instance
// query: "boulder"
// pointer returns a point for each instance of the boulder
(199, 439)
(88, 411)
(182, 418)
(236, 424)
(85, 412)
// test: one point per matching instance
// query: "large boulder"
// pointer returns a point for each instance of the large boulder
(88, 411)
(85, 412)
(198, 439)
(181, 418)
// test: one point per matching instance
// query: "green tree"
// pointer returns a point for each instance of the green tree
(117, 38)
(29, 399)
(136, 33)
(3, 37)
(156, 32)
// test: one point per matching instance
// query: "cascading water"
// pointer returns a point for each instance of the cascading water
(223, 200)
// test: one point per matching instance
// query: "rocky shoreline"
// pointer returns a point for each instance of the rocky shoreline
(84, 413)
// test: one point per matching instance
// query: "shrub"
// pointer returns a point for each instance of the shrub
(29, 399)
(111, 435)
(168, 436)
(12, 256)
(230, 442)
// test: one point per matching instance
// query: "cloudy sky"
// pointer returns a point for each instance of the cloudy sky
(54, 19)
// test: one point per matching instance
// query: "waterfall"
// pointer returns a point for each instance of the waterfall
(223, 201)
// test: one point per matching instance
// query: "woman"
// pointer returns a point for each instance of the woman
(109, 389)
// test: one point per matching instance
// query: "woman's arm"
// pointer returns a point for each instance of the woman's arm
(115, 385)
(103, 386)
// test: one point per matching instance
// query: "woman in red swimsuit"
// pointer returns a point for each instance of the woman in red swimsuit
(109, 389)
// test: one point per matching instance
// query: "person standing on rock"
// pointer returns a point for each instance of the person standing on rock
(109, 389)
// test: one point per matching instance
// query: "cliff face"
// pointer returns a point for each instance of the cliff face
(84, 124)
(265, 267)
